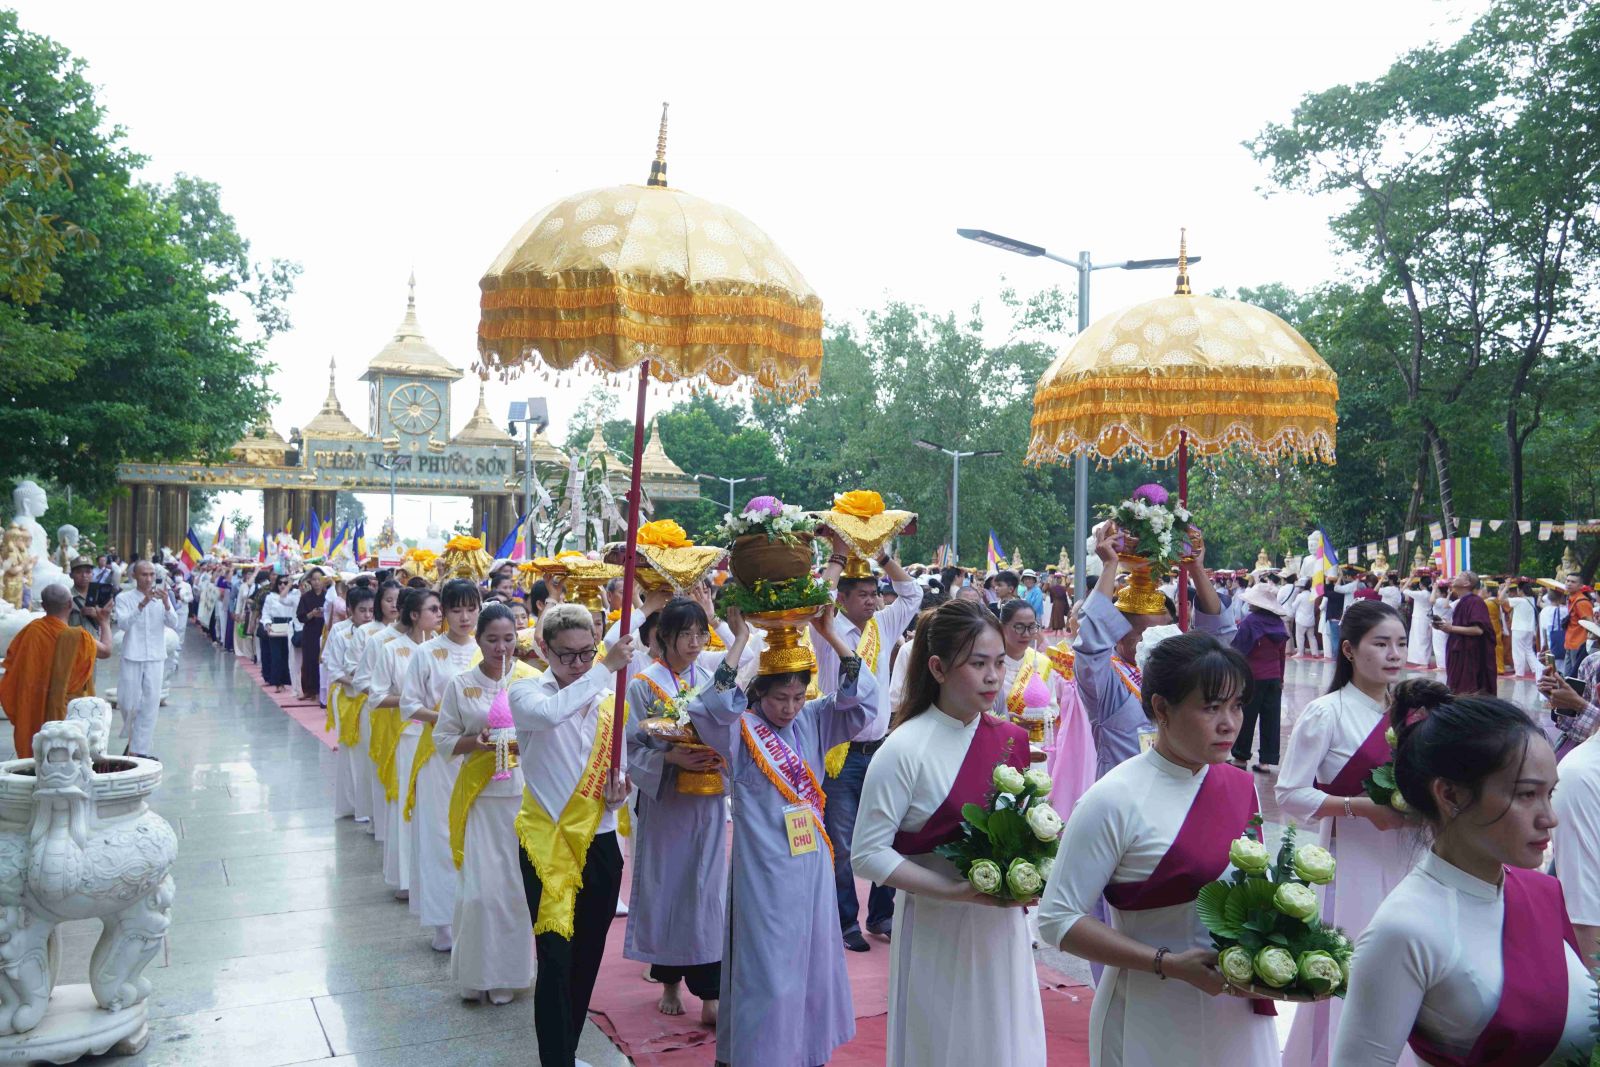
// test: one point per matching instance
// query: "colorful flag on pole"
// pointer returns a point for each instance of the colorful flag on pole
(997, 557)
(361, 541)
(191, 555)
(218, 545)
(340, 539)
(313, 530)
(1325, 565)
(1454, 555)
(512, 547)
(261, 556)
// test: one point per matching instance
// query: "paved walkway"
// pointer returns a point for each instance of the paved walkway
(286, 946)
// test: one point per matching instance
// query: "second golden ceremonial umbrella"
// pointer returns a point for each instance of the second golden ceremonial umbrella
(647, 277)
(1181, 373)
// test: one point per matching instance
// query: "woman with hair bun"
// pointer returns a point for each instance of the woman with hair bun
(1146, 838)
(1337, 742)
(1471, 960)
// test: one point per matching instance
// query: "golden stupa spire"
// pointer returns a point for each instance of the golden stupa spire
(411, 291)
(1183, 263)
(658, 169)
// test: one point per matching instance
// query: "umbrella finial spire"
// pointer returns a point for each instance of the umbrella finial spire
(658, 169)
(1183, 263)
(411, 291)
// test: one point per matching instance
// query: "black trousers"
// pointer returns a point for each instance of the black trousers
(704, 979)
(1266, 707)
(567, 969)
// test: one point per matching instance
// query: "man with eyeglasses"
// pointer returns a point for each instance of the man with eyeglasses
(866, 625)
(564, 720)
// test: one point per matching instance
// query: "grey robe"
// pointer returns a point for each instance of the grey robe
(785, 995)
(677, 907)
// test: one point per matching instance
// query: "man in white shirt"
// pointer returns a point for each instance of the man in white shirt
(864, 624)
(1389, 592)
(1577, 842)
(557, 715)
(1524, 621)
(143, 614)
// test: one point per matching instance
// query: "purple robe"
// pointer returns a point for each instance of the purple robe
(1469, 660)
(785, 994)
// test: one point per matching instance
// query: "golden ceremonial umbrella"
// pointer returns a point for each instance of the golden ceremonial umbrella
(1181, 373)
(650, 277)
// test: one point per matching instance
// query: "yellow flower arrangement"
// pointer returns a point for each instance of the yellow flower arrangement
(463, 543)
(862, 503)
(664, 533)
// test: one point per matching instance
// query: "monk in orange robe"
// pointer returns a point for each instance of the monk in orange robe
(49, 663)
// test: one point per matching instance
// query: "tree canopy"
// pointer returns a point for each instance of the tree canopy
(132, 317)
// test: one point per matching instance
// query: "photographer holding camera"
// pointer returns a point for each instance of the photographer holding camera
(143, 613)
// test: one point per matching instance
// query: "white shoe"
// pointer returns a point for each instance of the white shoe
(501, 996)
(365, 820)
(622, 908)
(444, 939)
(402, 894)
(472, 996)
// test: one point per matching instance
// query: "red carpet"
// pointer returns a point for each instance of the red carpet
(304, 712)
(624, 1006)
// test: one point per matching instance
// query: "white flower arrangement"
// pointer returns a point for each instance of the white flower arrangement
(768, 515)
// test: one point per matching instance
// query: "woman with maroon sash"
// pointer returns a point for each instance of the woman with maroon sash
(963, 989)
(1337, 741)
(1147, 837)
(1471, 960)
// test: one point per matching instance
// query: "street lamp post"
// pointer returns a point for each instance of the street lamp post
(1084, 265)
(731, 483)
(534, 414)
(390, 462)
(955, 484)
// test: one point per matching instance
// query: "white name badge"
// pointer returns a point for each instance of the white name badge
(801, 827)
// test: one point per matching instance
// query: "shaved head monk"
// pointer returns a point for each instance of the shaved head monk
(49, 663)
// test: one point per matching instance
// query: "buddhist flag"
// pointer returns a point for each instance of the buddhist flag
(1454, 555)
(217, 545)
(997, 556)
(513, 546)
(340, 539)
(313, 529)
(261, 556)
(191, 555)
(1324, 561)
(361, 541)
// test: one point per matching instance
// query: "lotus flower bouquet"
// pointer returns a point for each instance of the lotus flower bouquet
(1154, 525)
(1008, 844)
(1264, 922)
(1380, 783)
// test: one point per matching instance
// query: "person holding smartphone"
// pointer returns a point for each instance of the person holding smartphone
(1573, 706)
(143, 614)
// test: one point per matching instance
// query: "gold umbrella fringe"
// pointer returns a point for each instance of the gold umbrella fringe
(698, 367)
(1159, 445)
(1193, 388)
(620, 298)
(501, 336)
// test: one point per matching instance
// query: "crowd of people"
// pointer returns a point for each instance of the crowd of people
(512, 855)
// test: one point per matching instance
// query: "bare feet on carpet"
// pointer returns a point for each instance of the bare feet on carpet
(671, 1002)
(708, 1013)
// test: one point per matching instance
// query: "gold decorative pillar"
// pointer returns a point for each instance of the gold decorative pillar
(145, 520)
(274, 510)
(119, 523)
(172, 519)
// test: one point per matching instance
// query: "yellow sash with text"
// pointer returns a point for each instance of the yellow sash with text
(558, 849)
(475, 773)
(867, 648)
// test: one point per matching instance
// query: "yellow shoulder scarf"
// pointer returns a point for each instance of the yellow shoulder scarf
(559, 849)
(350, 705)
(476, 771)
(1031, 662)
(332, 723)
(867, 648)
(425, 746)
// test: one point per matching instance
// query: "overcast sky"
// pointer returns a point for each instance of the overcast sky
(365, 139)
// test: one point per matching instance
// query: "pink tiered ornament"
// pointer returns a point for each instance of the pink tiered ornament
(502, 734)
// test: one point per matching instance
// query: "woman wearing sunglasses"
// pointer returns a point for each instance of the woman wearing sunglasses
(1019, 628)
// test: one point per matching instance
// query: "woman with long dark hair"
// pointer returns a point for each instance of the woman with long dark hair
(785, 996)
(1019, 628)
(962, 983)
(361, 658)
(1337, 742)
(680, 873)
(277, 613)
(1146, 838)
(1471, 960)
(492, 954)
(425, 792)
(395, 737)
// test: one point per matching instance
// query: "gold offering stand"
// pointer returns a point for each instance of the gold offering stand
(785, 651)
(682, 734)
(585, 578)
(867, 535)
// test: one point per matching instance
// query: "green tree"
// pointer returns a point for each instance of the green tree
(154, 364)
(1468, 175)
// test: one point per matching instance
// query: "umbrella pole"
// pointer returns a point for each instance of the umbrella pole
(630, 555)
(1183, 499)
